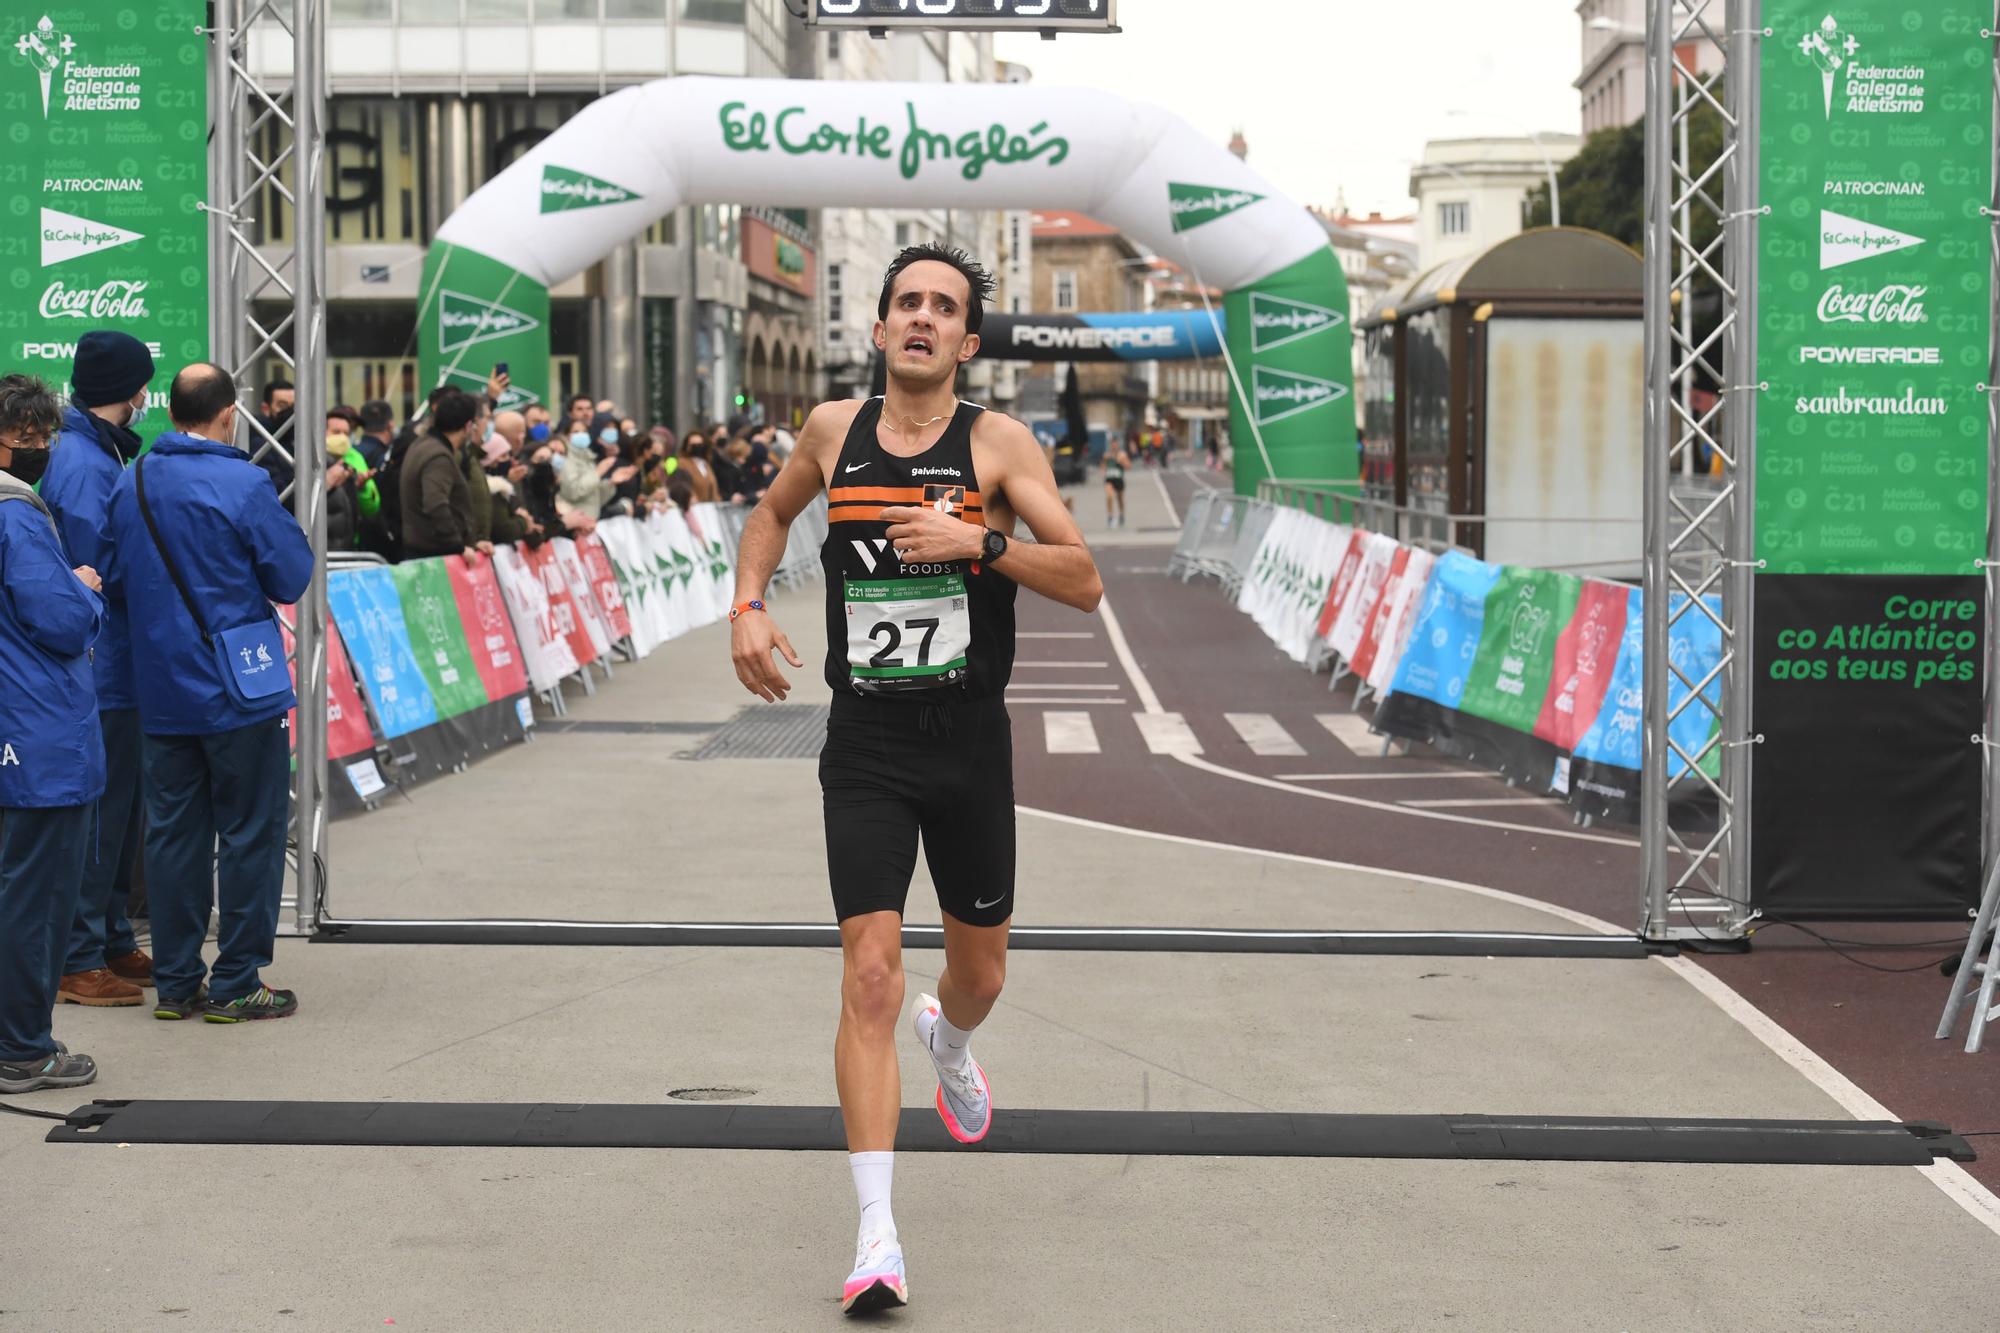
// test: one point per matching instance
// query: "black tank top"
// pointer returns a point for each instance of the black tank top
(923, 631)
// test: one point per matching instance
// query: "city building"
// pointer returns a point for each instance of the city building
(1082, 264)
(1612, 81)
(1470, 191)
(715, 311)
(1376, 254)
(1191, 397)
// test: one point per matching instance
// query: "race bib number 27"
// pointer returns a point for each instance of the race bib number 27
(907, 633)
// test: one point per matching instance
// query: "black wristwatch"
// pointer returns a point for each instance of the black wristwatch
(993, 546)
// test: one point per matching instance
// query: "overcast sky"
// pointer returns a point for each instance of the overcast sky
(1332, 93)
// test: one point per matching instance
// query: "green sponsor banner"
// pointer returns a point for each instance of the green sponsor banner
(1193, 205)
(106, 106)
(564, 190)
(437, 636)
(1875, 286)
(1509, 679)
(476, 313)
(1290, 343)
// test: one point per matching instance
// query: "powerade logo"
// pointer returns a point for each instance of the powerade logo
(564, 190)
(465, 320)
(1282, 393)
(1192, 206)
(1275, 321)
(1086, 337)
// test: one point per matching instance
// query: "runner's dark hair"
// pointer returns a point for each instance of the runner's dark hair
(976, 278)
(27, 404)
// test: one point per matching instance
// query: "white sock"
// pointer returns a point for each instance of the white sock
(950, 1044)
(872, 1174)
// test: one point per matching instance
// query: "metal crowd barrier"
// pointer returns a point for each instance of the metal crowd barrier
(1208, 536)
(1250, 530)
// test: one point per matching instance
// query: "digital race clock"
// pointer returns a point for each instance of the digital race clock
(977, 15)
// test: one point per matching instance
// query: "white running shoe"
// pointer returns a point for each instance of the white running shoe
(877, 1282)
(964, 1101)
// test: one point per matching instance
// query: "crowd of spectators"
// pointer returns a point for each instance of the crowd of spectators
(466, 475)
(143, 746)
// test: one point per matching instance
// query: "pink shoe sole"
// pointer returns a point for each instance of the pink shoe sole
(951, 1125)
(871, 1294)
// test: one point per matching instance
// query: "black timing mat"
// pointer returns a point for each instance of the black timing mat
(1105, 1133)
(1096, 939)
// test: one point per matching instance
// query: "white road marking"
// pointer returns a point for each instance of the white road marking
(1160, 480)
(1140, 685)
(1069, 733)
(1351, 730)
(1950, 1177)
(1079, 666)
(1055, 634)
(1062, 685)
(1069, 702)
(1167, 733)
(1483, 800)
(1438, 776)
(1262, 733)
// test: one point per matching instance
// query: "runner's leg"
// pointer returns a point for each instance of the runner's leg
(864, 1051)
(975, 969)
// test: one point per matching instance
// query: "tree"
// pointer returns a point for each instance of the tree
(1604, 185)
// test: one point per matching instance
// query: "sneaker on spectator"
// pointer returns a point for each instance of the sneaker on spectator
(135, 967)
(173, 1011)
(100, 987)
(57, 1070)
(260, 1003)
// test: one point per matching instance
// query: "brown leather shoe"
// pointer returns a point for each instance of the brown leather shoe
(100, 988)
(135, 967)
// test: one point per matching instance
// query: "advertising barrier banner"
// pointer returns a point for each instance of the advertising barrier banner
(366, 606)
(430, 613)
(1357, 611)
(482, 613)
(1430, 681)
(546, 650)
(567, 565)
(1526, 611)
(604, 587)
(1586, 652)
(107, 158)
(1875, 284)
(1390, 633)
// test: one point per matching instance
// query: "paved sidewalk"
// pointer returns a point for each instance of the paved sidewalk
(592, 825)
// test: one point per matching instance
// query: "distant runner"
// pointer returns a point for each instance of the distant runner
(1115, 464)
(923, 493)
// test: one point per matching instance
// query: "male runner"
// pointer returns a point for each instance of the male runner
(923, 492)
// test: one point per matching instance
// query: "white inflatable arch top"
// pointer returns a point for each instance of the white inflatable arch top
(627, 159)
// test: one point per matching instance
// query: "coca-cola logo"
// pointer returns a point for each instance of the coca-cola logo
(121, 298)
(1897, 303)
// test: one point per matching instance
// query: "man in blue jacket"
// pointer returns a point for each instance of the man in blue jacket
(107, 398)
(51, 756)
(217, 769)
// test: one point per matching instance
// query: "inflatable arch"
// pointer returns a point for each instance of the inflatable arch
(624, 160)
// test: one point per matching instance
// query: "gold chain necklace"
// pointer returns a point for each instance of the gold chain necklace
(920, 426)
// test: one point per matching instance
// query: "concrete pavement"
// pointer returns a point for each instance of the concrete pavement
(592, 825)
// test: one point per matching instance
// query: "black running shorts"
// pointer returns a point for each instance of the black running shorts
(893, 769)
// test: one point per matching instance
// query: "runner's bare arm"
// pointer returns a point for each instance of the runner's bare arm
(753, 636)
(1056, 564)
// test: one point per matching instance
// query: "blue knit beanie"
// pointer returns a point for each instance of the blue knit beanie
(110, 367)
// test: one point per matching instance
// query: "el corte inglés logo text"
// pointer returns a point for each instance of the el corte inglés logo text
(1282, 393)
(1192, 206)
(464, 320)
(1275, 321)
(117, 299)
(791, 131)
(563, 189)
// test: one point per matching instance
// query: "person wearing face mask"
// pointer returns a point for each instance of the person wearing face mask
(201, 549)
(580, 489)
(695, 466)
(51, 750)
(105, 966)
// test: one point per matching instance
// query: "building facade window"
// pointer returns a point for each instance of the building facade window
(836, 299)
(1454, 218)
(1065, 297)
